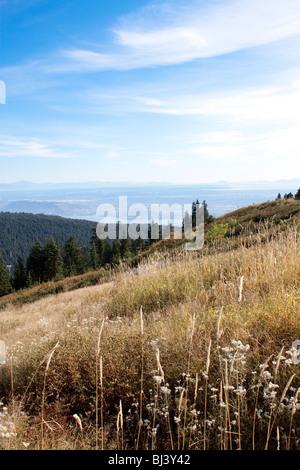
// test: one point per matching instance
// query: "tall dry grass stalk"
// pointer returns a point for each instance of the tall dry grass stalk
(205, 395)
(193, 407)
(13, 398)
(187, 379)
(79, 422)
(228, 434)
(219, 330)
(160, 380)
(180, 401)
(43, 422)
(264, 366)
(120, 427)
(99, 379)
(241, 286)
(273, 399)
(142, 378)
(270, 427)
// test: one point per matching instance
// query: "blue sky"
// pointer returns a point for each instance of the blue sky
(180, 91)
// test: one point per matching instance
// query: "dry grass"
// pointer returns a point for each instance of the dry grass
(193, 351)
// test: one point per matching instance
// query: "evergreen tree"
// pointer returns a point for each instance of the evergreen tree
(29, 281)
(5, 285)
(107, 253)
(20, 280)
(195, 213)
(138, 246)
(94, 257)
(206, 213)
(195, 206)
(207, 216)
(125, 249)
(297, 195)
(36, 262)
(53, 261)
(116, 251)
(187, 222)
(72, 257)
(154, 232)
(96, 251)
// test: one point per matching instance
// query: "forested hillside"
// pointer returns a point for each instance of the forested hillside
(38, 249)
(20, 230)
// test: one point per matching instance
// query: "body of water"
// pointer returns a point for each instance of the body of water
(82, 203)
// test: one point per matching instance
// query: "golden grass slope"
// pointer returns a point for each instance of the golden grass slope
(192, 350)
(244, 221)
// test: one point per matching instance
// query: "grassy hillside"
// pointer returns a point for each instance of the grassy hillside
(20, 230)
(221, 235)
(272, 210)
(188, 350)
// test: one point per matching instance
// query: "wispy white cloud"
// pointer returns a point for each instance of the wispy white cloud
(14, 147)
(63, 148)
(268, 103)
(257, 104)
(164, 35)
(197, 31)
(167, 34)
(261, 147)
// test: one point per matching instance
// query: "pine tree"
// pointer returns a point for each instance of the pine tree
(138, 246)
(187, 223)
(125, 249)
(107, 253)
(36, 262)
(207, 216)
(29, 281)
(195, 205)
(53, 261)
(154, 232)
(20, 279)
(72, 257)
(297, 195)
(116, 251)
(96, 251)
(94, 257)
(206, 213)
(5, 285)
(195, 213)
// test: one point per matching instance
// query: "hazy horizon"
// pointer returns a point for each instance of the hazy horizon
(130, 182)
(81, 200)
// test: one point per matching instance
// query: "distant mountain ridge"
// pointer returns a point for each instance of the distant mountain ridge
(20, 230)
(28, 185)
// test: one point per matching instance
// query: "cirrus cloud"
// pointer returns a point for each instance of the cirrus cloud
(194, 32)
